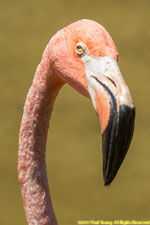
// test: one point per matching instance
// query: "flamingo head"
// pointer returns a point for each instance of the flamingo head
(84, 55)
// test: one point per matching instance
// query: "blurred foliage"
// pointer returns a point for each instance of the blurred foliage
(73, 152)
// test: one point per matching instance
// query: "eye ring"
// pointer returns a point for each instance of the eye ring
(81, 49)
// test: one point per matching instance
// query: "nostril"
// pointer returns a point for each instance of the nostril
(111, 81)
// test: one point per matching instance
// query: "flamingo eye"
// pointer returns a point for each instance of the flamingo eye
(81, 49)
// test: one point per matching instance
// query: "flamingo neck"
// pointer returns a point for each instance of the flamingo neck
(32, 145)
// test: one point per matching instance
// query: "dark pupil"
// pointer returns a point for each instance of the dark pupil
(79, 48)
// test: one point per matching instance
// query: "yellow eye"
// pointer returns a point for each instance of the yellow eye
(79, 50)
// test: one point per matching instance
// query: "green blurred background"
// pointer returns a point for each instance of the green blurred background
(73, 153)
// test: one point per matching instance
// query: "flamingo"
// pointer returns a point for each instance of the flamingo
(83, 55)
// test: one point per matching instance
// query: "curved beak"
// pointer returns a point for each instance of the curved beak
(114, 106)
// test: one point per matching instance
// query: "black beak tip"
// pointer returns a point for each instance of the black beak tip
(116, 140)
(107, 182)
